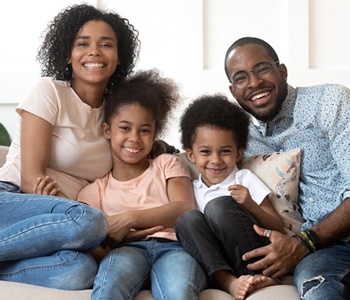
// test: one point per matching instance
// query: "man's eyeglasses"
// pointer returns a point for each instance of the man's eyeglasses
(262, 70)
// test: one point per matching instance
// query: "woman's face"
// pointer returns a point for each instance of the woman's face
(94, 56)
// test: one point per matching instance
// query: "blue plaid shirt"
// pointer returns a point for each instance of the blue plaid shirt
(317, 120)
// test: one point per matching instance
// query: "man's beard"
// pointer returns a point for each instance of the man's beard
(269, 115)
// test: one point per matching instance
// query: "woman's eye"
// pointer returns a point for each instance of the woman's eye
(82, 44)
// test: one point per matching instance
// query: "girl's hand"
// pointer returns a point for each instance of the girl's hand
(46, 186)
(121, 230)
(240, 194)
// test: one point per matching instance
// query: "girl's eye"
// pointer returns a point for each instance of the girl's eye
(124, 128)
(226, 151)
(105, 45)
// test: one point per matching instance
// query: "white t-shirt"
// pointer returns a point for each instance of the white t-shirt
(257, 189)
(79, 151)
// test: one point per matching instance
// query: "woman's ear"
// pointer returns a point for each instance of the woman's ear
(190, 156)
(106, 130)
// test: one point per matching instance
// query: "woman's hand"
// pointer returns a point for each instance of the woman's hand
(160, 147)
(46, 186)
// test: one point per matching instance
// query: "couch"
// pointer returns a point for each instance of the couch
(14, 290)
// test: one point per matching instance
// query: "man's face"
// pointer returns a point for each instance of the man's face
(261, 97)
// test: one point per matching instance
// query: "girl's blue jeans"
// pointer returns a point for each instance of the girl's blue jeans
(44, 239)
(171, 272)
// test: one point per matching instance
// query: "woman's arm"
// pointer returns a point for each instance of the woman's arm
(181, 198)
(35, 149)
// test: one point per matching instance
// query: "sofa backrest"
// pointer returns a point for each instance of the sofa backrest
(3, 152)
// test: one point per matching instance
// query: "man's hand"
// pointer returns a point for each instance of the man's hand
(278, 258)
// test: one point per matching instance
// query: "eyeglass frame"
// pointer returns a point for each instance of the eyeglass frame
(256, 74)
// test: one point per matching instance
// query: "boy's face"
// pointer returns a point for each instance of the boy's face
(214, 153)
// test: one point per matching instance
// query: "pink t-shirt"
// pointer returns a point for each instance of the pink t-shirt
(79, 151)
(146, 191)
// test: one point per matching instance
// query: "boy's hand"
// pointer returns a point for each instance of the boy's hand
(240, 194)
(45, 186)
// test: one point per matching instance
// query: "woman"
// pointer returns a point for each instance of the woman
(44, 239)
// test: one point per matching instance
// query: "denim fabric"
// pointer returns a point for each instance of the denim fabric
(318, 275)
(219, 237)
(164, 264)
(41, 238)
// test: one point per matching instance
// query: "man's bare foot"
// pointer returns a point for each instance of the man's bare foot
(242, 286)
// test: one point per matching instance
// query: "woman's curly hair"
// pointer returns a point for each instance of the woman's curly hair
(214, 111)
(59, 37)
(149, 89)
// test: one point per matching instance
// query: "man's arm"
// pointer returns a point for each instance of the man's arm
(284, 253)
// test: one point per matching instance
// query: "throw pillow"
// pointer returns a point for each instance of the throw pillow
(280, 172)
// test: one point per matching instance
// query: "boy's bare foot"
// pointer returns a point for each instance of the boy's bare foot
(242, 286)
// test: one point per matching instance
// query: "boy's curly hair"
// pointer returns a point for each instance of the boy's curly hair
(214, 111)
(59, 37)
(147, 89)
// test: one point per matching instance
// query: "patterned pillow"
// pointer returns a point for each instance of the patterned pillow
(280, 172)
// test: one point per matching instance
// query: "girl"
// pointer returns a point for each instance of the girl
(141, 193)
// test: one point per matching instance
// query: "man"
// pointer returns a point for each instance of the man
(317, 120)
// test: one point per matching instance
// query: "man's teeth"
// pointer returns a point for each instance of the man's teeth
(93, 65)
(260, 96)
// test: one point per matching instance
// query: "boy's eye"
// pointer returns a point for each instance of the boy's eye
(204, 151)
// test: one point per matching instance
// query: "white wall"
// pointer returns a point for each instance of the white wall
(187, 40)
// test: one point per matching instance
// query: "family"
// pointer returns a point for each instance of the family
(88, 132)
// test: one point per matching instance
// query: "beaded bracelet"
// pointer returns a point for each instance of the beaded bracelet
(308, 240)
(301, 240)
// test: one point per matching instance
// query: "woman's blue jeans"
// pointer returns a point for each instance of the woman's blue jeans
(44, 239)
(171, 272)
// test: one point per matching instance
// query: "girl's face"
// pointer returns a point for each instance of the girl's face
(214, 153)
(132, 133)
(94, 56)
